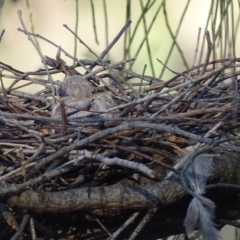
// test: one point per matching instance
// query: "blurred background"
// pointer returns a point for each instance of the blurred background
(47, 19)
(167, 30)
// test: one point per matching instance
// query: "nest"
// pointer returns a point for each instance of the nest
(133, 143)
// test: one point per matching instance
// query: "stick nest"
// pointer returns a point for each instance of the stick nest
(136, 142)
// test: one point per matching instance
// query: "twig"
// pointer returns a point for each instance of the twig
(186, 158)
(196, 50)
(39, 53)
(139, 154)
(1, 35)
(64, 118)
(125, 225)
(8, 216)
(32, 229)
(109, 47)
(23, 224)
(144, 221)
(119, 162)
(140, 86)
(209, 49)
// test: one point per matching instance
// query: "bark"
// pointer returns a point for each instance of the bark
(119, 197)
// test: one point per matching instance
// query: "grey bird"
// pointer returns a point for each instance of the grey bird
(75, 87)
(95, 107)
(79, 101)
(102, 103)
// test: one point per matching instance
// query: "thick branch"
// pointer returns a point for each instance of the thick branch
(118, 196)
(110, 197)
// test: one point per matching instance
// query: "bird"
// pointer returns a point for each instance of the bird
(75, 87)
(77, 95)
(73, 107)
(101, 104)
